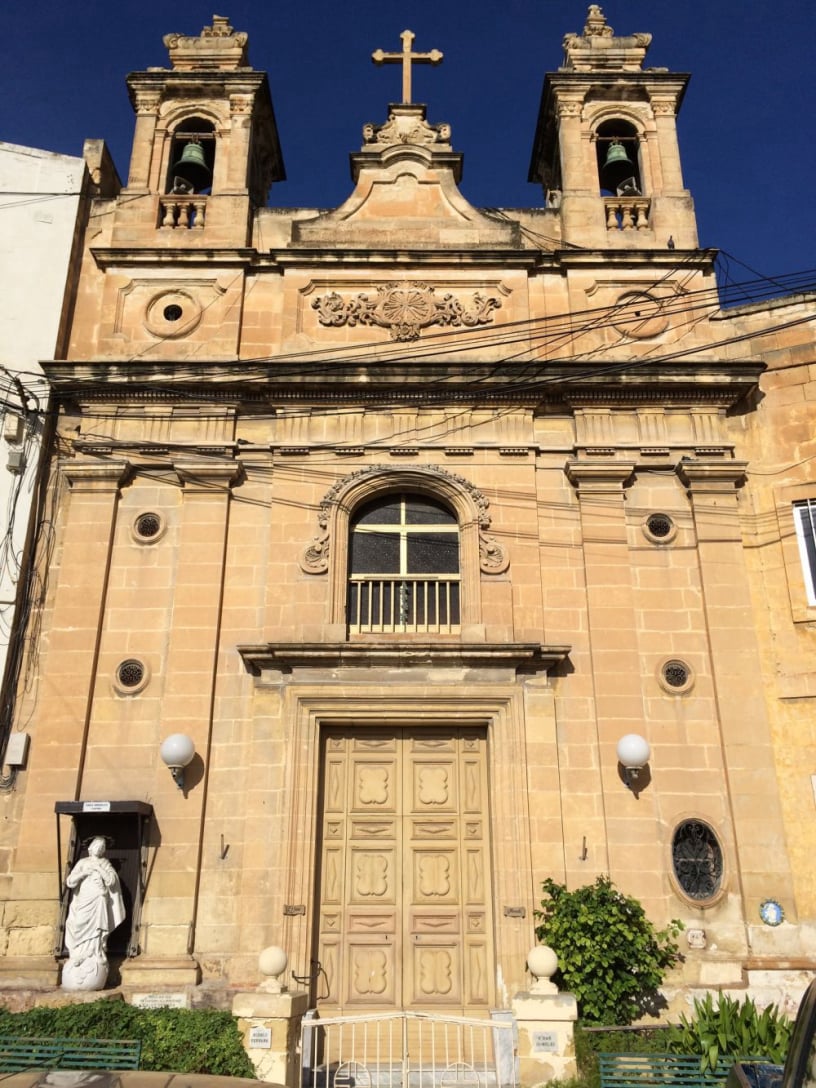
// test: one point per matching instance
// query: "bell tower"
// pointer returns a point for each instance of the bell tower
(606, 148)
(205, 146)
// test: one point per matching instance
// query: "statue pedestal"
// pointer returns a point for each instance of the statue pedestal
(150, 972)
(270, 1027)
(546, 1043)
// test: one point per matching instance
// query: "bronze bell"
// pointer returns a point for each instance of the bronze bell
(617, 167)
(192, 167)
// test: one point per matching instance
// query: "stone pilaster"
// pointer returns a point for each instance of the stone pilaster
(59, 716)
(748, 755)
(611, 622)
(190, 669)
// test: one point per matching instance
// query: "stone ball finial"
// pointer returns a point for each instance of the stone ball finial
(272, 963)
(542, 963)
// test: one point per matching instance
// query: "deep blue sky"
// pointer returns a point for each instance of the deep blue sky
(746, 128)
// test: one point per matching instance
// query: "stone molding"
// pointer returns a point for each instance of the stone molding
(594, 477)
(721, 476)
(203, 475)
(286, 655)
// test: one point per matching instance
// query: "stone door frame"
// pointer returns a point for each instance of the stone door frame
(493, 708)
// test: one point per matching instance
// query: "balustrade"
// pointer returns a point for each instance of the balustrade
(627, 212)
(404, 604)
(183, 212)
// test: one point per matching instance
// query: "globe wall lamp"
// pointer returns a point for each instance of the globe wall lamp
(177, 751)
(633, 755)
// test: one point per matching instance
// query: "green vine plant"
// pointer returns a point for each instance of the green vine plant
(611, 957)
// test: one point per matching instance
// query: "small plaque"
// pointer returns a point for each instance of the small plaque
(161, 1001)
(515, 912)
(545, 1042)
(260, 1038)
(771, 912)
(96, 806)
(292, 909)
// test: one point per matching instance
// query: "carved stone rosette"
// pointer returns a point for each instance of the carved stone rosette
(493, 558)
(404, 309)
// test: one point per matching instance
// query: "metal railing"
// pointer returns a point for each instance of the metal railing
(407, 1050)
(404, 603)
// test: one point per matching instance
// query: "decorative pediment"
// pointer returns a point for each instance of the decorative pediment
(406, 195)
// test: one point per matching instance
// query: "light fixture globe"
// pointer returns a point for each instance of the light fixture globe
(633, 755)
(177, 751)
(633, 751)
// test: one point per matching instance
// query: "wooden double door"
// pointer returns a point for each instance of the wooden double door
(404, 914)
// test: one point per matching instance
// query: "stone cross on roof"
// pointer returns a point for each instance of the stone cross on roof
(406, 58)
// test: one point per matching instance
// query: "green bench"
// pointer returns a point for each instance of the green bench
(660, 1071)
(18, 1054)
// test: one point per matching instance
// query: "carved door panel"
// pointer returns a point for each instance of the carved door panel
(404, 915)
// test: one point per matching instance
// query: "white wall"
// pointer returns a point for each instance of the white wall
(40, 196)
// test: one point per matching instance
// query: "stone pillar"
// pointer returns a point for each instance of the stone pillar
(144, 135)
(273, 1021)
(545, 1019)
(235, 175)
(665, 114)
(748, 754)
(59, 717)
(269, 1020)
(572, 148)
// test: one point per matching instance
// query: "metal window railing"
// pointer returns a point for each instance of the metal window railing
(404, 603)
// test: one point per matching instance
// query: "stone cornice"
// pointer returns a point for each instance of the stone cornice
(199, 257)
(398, 378)
(286, 655)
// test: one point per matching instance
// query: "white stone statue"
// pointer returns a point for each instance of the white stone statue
(96, 910)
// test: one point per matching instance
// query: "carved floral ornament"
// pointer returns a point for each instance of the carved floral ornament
(404, 308)
(493, 558)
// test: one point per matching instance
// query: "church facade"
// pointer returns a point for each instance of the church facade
(405, 514)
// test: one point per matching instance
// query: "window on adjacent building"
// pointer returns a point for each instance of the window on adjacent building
(804, 515)
(404, 566)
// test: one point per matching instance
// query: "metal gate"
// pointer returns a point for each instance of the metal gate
(408, 1050)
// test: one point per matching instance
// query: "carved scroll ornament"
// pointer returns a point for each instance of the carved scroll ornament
(412, 131)
(493, 557)
(404, 309)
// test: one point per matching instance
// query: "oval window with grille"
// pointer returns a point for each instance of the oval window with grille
(697, 860)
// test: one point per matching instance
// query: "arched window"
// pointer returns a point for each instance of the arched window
(618, 158)
(404, 566)
(192, 157)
